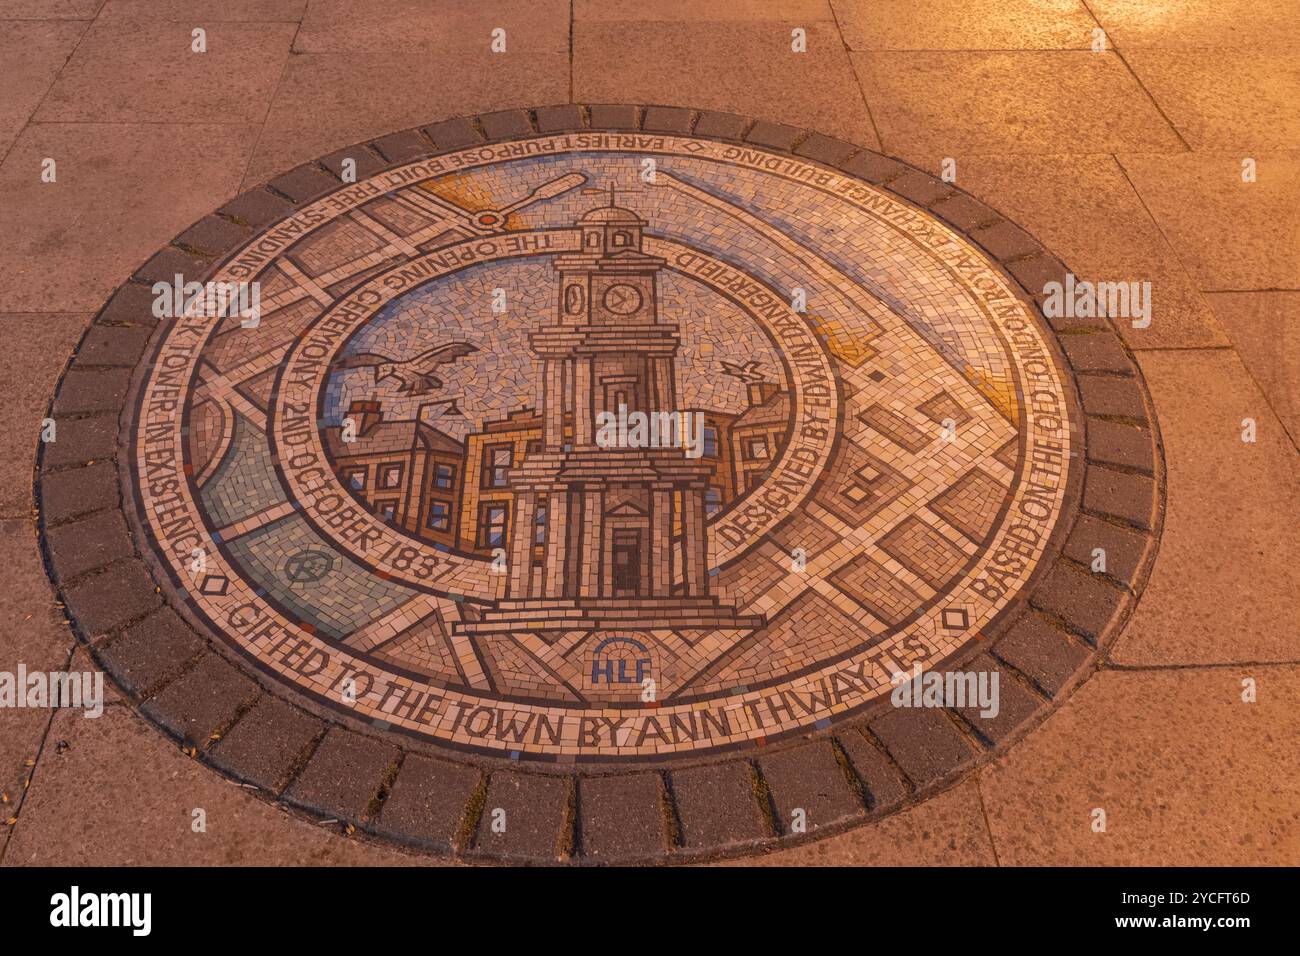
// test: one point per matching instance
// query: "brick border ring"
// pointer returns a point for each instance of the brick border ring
(330, 765)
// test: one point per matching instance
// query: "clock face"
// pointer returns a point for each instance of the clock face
(573, 299)
(622, 299)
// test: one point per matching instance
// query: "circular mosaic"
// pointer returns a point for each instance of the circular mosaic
(592, 447)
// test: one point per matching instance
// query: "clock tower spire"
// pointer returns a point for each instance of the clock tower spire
(605, 536)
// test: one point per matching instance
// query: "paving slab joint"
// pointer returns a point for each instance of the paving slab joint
(850, 775)
(298, 766)
(762, 794)
(568, 841)
(386, 781)
(222, 729)
(978, 742)
(672, 820)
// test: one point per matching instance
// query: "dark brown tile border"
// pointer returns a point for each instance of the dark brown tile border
(621, 818)
(718, 807)
(810, 788)
(525, 818)
(881, 784)
(266, 744)
(429, 803)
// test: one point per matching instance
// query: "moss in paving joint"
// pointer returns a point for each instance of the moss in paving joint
(850, 776)
(1061, 624)
(471, 815)
(908, 786)
(570, 836)
(301, 761)
(668, 808)
(763, 794)
(385, 788)
(1105, 576)
(224, 727)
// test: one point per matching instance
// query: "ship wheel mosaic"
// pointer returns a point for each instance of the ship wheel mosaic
(574, 484)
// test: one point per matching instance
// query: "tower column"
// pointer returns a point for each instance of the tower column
(593, 542)
(521, 544)
(695, 543)
(665, 397)
(553, 402)
(661, 543)
(583, 415)
(557, 526)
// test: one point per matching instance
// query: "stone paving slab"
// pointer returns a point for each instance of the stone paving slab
(431, 804)
(49, 9)
(880, 784)
(1219, 99)
(946, 830)
(121, 190)
(1019, 698)
(33, 52)
(84, 662)
(927, 746)
(32, 635)
(150, 653)
(267, 744)
(16, 498)
(962, 101)
(1176, 25)
(332, 26)
(811, 788)
(39, 345)
(1189, 192)
(1201, 779)
(1265, 331)
(525, 818)
(145, 71)
(197, 12)
(328, 101)
(733, 67)
(748, 11)
(718, 806)
(623, 818)
(958, 25)
(111, 599)
(92, 808)
(202, 702)
(344, 777)
(1045, 655)
(84, 546)
(1218, 593)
